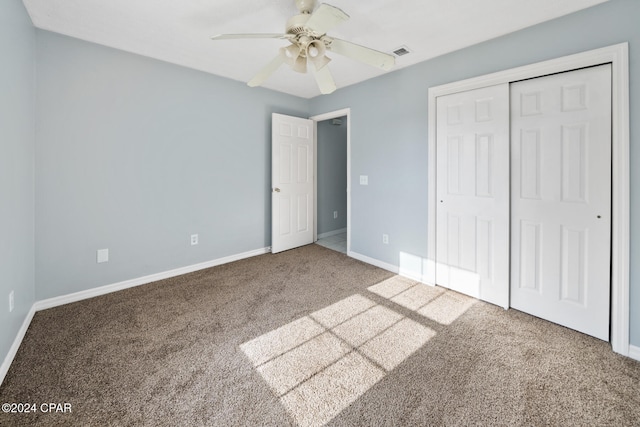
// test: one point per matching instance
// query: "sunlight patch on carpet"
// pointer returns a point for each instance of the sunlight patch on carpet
(447, 307)
(318, 400)
(343, 310)
(281, 340)
(394, 345)
(435, 303)
(321, 363)
(367, 325)
(303, 362)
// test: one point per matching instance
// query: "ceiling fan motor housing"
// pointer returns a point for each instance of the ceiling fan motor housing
(295, 24)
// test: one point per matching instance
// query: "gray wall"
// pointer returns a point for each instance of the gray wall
(389, 128)
(332, 175)
(17, 92)
(135, 155)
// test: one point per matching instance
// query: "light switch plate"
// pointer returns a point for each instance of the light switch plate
(364, 180)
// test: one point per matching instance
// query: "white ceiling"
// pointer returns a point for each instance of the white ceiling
(179, 31)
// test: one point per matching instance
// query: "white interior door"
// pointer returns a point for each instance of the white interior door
(291, 182)
(561, 198)
(472, 145)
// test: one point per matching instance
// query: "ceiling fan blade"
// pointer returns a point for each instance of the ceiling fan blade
(266, 72)
(325, 18)
(251, 36)
(369, 56)
(325, 80)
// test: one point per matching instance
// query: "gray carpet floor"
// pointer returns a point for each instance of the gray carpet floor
(311, 337)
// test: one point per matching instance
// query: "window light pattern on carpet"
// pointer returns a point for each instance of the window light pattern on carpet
(319, 364)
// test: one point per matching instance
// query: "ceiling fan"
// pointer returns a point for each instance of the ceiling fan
(307, 33)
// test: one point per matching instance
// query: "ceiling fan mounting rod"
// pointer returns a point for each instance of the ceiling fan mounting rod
(305, 6)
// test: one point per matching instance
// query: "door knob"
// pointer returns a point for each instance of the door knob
(277, 190)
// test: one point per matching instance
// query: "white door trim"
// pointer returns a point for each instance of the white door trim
(618, 56)
(320, 118)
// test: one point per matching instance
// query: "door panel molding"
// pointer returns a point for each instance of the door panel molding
(618, 56)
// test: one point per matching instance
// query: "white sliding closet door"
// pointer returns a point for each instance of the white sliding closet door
(561, 198)
(472, 254)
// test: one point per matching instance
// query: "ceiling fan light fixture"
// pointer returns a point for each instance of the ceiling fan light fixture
(293, 56)
(315, 48)
(290, 53)
(300, 64)
(320, 61)
(307, 33)
(316, 53)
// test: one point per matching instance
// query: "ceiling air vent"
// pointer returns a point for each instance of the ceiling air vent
(401, 51)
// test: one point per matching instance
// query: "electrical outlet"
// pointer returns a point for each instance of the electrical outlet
(335, 214)
(10, 301)
(194, 239)
(102, 255)
(364, 180)
(385, 239)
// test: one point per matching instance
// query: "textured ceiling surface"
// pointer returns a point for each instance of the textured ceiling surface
(179, 31)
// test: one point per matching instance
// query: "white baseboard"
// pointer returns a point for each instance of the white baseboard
(390, 267)
(413, 276)
(332, 233)
(107, 289)
(4, 368)
(634, 352)
(102, 290)
(383, 265)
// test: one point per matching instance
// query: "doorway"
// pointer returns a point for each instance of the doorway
(331, 175)
(332, 180)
